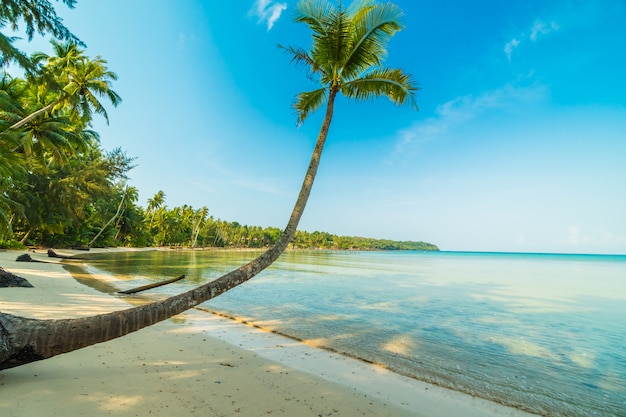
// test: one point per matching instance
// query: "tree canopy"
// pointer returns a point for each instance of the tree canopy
(53, 169)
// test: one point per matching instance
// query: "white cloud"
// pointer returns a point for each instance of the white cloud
(508, 48)
(268, 11)
(542, 28)
(462, 109)
(539, 28)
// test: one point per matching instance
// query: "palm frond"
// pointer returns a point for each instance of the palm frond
(308, 102)
(12, 54)
(393, 83)
(301, 58)
(315, 13)
(10, 108)
(325, 21)
(11, 162)
(372, 29)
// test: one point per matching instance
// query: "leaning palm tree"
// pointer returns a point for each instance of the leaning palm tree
(154, 204)
(346, 56)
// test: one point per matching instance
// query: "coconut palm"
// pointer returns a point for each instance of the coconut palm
(199, 217)
(154, 204)
(78, 83)
(346, 56)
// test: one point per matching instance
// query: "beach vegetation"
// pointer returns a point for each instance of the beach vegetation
(11, 244)
(54, 170)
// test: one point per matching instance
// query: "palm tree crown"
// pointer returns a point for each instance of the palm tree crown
(347, 52)
(74, 83)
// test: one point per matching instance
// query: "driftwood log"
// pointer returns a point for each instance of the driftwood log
(150, 286)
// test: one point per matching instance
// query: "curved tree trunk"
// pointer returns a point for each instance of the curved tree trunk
(25, 340)
(31, 116)
(25, 237)
(117, 213)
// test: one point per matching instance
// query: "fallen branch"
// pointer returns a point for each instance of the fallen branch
(150, 286)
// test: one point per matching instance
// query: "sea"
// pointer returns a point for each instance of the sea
(542, 332)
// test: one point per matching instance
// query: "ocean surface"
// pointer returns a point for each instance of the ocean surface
(543, 332)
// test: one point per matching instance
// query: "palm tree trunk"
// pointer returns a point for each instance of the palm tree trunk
(117, 213)
(25, 340)
(195, 236)
(25, 237)
(31, 116)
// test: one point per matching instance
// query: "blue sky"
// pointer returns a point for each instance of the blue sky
(519, 143)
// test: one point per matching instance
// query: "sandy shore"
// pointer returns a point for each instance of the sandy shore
(199, 364)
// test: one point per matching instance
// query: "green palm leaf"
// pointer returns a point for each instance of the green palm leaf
(372, 28)
(308, 102)
(393, 83)
(347, 52)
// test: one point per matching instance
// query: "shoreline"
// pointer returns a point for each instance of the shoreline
(241, 368)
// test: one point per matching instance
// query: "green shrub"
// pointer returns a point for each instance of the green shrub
(11, 244)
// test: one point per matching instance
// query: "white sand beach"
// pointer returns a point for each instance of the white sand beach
(198, 364)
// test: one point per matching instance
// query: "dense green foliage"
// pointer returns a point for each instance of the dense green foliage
(188, 227)
(323, 240)
(55, 176)
(59, 188)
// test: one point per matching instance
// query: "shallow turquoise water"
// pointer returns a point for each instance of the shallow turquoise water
(543, 332)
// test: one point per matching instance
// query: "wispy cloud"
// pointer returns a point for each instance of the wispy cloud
(268, 11)
(508, 48)
(601, 239)
(538, 29)
(462, 109)
(542, 28)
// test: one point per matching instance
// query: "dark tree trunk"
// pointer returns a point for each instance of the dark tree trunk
(25, 340)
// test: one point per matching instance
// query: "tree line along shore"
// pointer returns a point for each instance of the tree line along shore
(107, 224)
